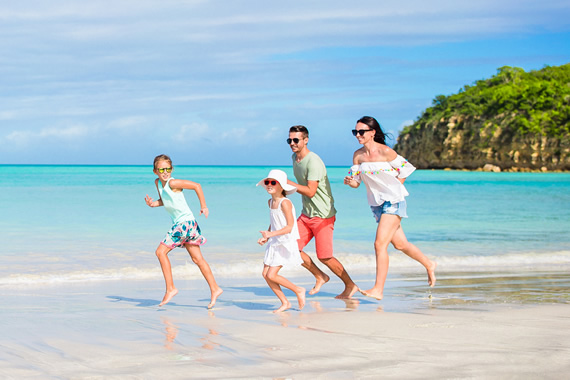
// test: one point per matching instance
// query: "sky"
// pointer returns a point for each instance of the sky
(118, 82)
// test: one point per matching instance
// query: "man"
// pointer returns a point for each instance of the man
(318, 215)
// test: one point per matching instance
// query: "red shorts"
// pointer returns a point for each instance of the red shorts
(319, 228)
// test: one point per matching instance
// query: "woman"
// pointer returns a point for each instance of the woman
(383, 172)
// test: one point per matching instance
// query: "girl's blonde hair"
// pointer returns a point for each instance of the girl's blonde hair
(162, 157)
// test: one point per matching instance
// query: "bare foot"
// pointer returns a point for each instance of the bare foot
(215, 295)
(348, 292)
(372, 294)
(283, 307)
(320, 282)
(431, 274)
(301, 298)
(168, 296)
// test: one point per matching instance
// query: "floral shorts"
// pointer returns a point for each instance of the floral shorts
(182, 233)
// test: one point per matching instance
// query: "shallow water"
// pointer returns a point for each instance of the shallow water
(90, 223)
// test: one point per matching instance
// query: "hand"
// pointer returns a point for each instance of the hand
(348, 180)
(262, 241)
(265, 234)
(205, 211)
(149, 201)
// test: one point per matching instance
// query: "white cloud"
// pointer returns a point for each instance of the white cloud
(57, 133)
(213, 73)
(191, 132)
(219, 136)
(261, 23)
(49, 136)
(239, 135)
(270, 134)
(8, 115)
(127, 124)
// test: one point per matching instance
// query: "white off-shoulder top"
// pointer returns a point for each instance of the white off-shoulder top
(380, 179)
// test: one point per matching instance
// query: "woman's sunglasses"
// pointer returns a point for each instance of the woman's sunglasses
(360, 132)
(295, 140)
(267, 182)
(162, 170)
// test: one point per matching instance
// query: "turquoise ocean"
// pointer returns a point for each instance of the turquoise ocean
(63, 224)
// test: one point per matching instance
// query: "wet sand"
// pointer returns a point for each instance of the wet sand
(471, 325)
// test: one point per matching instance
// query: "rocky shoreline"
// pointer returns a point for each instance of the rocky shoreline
(497, 169)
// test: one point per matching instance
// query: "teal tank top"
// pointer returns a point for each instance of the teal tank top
(175, 203)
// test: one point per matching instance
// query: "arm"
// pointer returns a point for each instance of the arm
(349, 179)
(263, 240)
(189, 185)
(152, 203)
(287, 208)
(399, 163)
(310, 190)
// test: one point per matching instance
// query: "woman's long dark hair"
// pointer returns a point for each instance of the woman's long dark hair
(372, 123)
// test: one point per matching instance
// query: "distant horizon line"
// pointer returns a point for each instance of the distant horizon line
(141, 165)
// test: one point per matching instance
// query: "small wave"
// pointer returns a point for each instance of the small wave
(251, 267)
(512, 261)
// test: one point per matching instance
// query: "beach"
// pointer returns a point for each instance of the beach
(115, 329)
(81, 284)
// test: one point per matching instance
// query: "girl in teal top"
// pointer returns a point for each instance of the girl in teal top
(185, 230)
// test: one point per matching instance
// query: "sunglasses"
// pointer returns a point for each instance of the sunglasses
(360, 132)
(267, 182)
(295, 140)
(162, 170)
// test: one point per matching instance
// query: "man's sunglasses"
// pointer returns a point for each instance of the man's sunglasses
(295, 140)
(360, 132)
(267, 182)
(162, 170)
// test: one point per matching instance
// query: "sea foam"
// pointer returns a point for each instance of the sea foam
(251, 267)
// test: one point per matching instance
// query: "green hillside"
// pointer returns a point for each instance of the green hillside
(515, 120)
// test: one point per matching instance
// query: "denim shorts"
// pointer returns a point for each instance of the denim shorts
(397, 208)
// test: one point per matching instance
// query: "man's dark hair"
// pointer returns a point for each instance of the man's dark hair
(300, 128)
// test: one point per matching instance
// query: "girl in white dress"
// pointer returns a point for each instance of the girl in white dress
(383, 172)
(282, 248)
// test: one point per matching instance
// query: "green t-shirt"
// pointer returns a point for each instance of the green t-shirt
(312, 168)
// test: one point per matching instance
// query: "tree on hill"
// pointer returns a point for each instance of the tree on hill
(515, 119)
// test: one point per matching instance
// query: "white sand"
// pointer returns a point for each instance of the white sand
(115, 330)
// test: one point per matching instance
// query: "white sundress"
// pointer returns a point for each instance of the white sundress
(282, 250)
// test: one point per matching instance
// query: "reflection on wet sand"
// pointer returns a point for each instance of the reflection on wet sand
(171, 333)
(455, 289)
(207, 341)
(351, 303)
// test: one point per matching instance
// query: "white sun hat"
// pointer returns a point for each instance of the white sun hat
(281, 177)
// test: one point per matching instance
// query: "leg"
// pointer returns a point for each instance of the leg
(401, 243)
(387, 227)
(320, 276)
(323, 230)
(198, 259)
(272, 275)
(162, 254)
(306, 234)
(336, 267)
(277, 290)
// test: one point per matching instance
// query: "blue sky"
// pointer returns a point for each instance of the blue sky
(220, 82)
